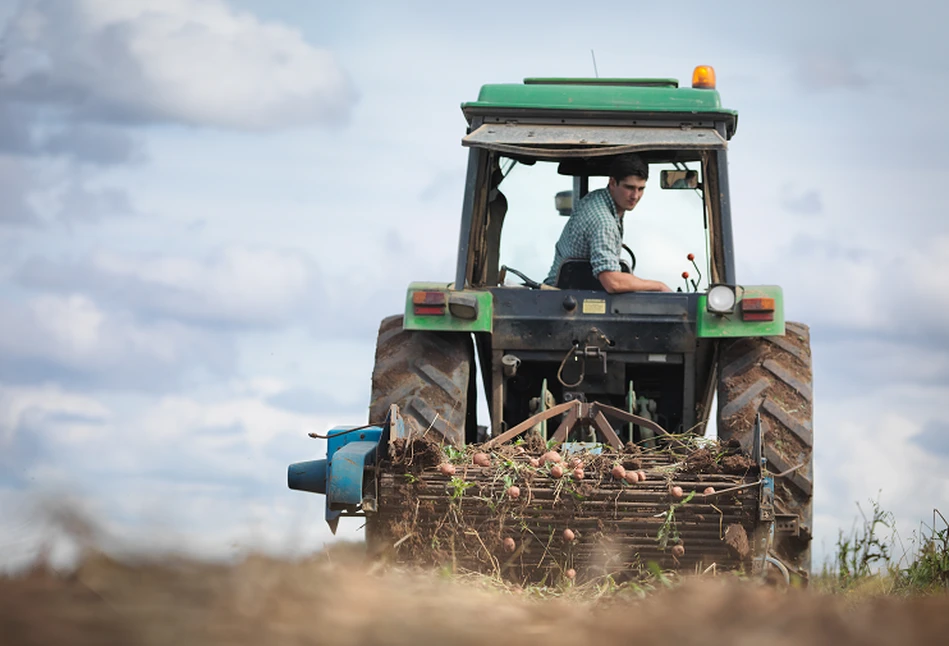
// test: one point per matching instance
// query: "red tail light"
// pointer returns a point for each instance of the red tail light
(757, 309)
(428, 303)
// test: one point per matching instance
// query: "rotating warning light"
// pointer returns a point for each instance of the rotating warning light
(704, 77)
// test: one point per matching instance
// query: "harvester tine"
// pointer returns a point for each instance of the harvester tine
(566, 425)
(616, 413)
(600, 420)
(529, 423)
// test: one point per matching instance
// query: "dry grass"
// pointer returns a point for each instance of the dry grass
(337, 598)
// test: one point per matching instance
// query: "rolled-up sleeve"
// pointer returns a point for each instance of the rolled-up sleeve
(605, 243)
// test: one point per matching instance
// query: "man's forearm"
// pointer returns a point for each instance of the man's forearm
(618, 281)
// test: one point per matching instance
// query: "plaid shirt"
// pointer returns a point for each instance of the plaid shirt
(594, 231)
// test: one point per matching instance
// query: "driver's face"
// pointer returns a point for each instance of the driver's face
(627, 192)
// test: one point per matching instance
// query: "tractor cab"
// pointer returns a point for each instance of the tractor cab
(667, 233)
(551, 137)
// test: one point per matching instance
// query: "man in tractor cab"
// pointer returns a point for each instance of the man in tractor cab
(594, 232)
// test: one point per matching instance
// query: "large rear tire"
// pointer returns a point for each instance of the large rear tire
(772, 376)
(429, 375)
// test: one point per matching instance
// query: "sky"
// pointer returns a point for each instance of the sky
(206, 208)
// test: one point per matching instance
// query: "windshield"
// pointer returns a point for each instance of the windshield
(665, 227)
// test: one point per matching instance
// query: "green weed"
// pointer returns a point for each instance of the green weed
(669, 531)
(457, 487)
(864, 551)
(866, 560)
(929, 571)
(454, 455)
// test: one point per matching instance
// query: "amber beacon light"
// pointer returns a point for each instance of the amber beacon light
(704, 77)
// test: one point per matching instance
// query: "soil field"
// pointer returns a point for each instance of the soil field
(334, 599)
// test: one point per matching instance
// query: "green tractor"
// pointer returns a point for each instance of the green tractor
(594, 461)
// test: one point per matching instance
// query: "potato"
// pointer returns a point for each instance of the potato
(534, 462)
(642, 476)
(575, 462)
(481, 459)
(556, 471)
(551, 456)
(578, 474)
(678, 551)
(568, 535)
(571, 574)
(446, 469)
(618, 471)
(631, 477)
(676, 491)
(513, 492)
(509, 544)
(709, 490)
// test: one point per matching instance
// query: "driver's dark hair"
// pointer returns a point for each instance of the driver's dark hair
(623, 166)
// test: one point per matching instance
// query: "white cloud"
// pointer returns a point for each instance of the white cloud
(69, 416)
(239, 284)
(235, 286)
(865, 453)
(198, 475)
(63, 337)
(885, 289)
(195, 62)
(177, 416)
(36, 193)
(17, 186)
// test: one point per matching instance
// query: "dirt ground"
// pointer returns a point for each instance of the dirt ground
(335, 598)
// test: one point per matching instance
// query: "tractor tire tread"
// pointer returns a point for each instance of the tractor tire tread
(772, 376)
(427, 375)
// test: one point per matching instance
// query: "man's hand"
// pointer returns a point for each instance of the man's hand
(616, 282)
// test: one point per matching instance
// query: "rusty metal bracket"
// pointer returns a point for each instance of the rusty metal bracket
(592, 352)
(766, 495)
(788, 524)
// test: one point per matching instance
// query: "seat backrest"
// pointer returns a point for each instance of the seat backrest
(577, 273)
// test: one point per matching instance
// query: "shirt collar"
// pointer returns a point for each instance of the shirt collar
(611, 205)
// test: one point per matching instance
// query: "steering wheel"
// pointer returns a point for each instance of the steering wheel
(632, 258)
(533, 284)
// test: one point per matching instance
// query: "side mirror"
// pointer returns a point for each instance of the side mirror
(679, 179)
(564, 202)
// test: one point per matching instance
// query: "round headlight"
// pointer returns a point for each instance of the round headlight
(721, 299)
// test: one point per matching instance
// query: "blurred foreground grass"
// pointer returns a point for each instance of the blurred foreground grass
(868, 596)
(336, 598)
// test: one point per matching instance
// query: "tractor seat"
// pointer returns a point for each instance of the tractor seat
(577, 273)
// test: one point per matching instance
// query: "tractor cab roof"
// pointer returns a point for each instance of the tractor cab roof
(620, 102)
(586, 149)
